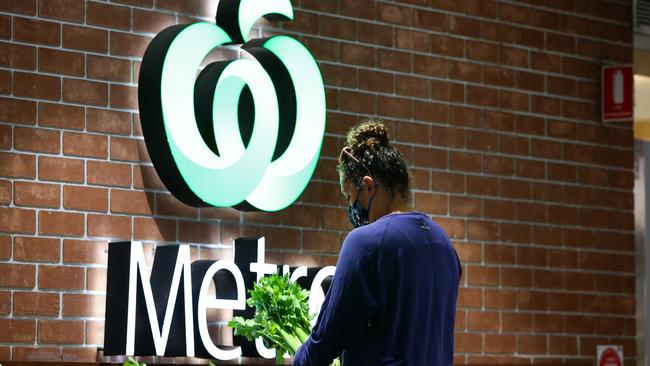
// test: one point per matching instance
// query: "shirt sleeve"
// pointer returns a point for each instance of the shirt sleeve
(347, 309)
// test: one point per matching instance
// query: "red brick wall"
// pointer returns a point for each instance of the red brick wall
(495, 105)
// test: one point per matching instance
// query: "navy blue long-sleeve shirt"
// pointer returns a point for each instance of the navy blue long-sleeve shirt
(393, 297)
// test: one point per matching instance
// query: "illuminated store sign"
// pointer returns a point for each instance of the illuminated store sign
(245, 133)
(165, 313)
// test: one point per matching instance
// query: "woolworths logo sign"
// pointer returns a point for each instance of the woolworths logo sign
(245, 132)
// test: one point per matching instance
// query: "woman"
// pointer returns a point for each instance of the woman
(393, 297)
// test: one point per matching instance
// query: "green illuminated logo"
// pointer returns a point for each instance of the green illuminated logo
(246, 132)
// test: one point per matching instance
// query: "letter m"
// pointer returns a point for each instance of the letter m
(142, 313)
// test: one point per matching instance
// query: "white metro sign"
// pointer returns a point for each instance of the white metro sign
(165, 313)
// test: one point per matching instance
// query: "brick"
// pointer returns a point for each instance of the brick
(322, 49)
(470, 297)
(482, 96)
(146, 177)
(17, 165)
(338, 28)
(81, 354)
(96, 279)
(17, 330)
(61, 62)
(85, 39)
(334, 219)
(108, 16)
(5, 302)
(481, 51)
(464, 70)
(531, 344)
(70, 10)
(18, 275)
(500, 343)
(61, 223)
(36, 303)
(108, 121)
(40, 353)
(468, 342)
(81, 144)
(124, 44)
(321, 240)
(303, 23)
(412, 40)
(6, 81)
(394, 60)
(17, 56)
(5, 248)
(85, 92)
(395, 14)
(432, 112)
(500, 299)
(528, 300)
(16, 220)
(37, 249)
(118, 227)
(37, 194)
(498, 76)
(376, 34)
(154, 229)
(124, 97)
(110, 174)
(483, 320)
(108, 68)
(85, 251)
(563, 345)
(395, 107)
(124, 149)
(181, 6)
(37, 140)
(432, 203)
(412, 86)
(358, 102)
(357, 55)
(26, 7)
(168, 205)
(18, 111)
(60, 116)
(61, 332)
(37, 31)
(132, 202)
(84, 305)
(196, 232)
(61, 277)
(487, 276)
(94, 332)
(37, 86)
(339, 75)
(85, 198)
(61, 169)
(145, 21)
(5, 27)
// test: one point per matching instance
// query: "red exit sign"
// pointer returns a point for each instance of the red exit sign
(618, 93)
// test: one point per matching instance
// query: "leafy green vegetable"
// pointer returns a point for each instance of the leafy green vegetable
(281, 315)
(132, 362)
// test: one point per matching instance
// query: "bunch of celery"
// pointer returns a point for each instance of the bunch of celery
(281, 315)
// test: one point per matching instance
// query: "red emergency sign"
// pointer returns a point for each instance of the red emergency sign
(618, 93)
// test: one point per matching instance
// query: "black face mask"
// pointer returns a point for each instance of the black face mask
(358, 215)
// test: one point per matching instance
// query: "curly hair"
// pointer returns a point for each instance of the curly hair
(369, 143)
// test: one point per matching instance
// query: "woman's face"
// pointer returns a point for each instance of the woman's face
(351, 193)
(348, 191)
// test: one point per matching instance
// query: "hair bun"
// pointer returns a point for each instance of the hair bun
(368, 135)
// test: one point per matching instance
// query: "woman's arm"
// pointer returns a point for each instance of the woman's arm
(347, 309)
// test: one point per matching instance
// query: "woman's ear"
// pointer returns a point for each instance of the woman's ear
(369, 183)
